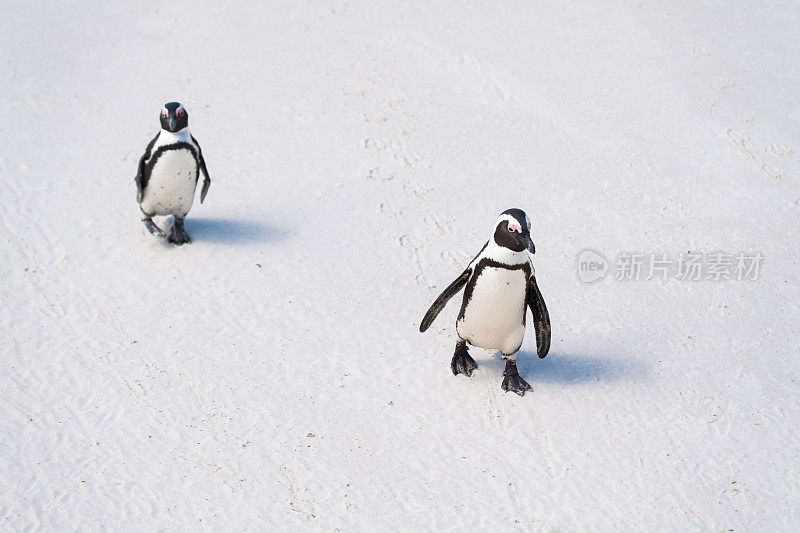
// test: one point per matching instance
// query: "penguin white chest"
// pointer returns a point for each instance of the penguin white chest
(493, 317)
(173, 180)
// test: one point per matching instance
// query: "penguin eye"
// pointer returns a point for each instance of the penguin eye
(164, 113)
(513, 228)
(179, 111)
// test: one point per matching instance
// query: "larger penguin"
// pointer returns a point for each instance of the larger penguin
(168, 173)
(499, 285)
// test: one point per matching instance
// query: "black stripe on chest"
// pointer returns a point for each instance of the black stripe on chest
(489, 263)
(148, 169)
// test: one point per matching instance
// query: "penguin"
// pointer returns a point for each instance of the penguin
(168, 173)
(499, 285)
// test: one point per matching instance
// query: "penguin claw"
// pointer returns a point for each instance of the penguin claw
(178, 235)
(462, 363)
(153, 229)
(512, 382)
(179, 238)
(515, 384)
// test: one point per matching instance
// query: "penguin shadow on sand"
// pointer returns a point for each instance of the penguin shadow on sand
(571, 369)
(232, 231)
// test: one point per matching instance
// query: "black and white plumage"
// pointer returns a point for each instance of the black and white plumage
(499, 285)
(168, 173)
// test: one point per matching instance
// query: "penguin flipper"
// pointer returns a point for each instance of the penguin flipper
(141, 181)
(139, 188)
(443, 298)
(204, 191)
(204, 170)
(541, 318)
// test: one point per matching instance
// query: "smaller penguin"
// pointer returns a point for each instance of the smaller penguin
(168, 173)
(499, 285)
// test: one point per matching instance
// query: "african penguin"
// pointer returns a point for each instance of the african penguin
(168, 173)
(499, 284)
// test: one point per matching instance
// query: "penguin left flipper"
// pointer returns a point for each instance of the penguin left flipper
(541, 318)
(204, 170)
(443, 298)
(140, 179)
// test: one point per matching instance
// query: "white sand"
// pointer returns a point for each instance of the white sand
(360, 154)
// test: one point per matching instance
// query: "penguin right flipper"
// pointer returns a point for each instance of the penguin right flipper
(204, 170)
(141, 182)
(443, 298)
(541, 318)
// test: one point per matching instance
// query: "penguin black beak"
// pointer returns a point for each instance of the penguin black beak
(528, 242)
(173, 122)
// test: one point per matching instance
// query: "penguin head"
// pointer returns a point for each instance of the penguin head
(174, 117)
(513, 231)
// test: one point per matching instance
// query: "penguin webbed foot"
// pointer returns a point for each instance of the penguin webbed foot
(511, 380)
(462, 362)
(178, 235)
(152, 228)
